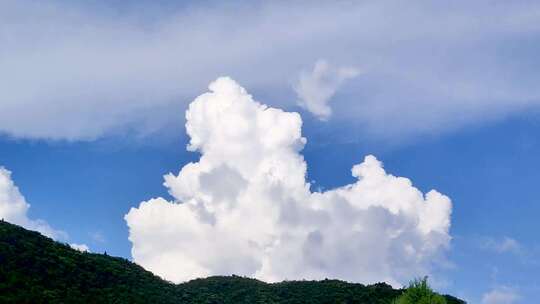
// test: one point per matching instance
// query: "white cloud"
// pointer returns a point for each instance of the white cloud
(80, 247)
(14, 208)
(500, 295)
(245, 207)
(98, 237)
(503, 245)
(72, 70)
(315, 88)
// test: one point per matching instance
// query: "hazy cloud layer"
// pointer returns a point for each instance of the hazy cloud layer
(14, 208)
(79, 71)
(245, 207)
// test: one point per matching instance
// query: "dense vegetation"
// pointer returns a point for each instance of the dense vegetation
(35, 269)
(419, 292)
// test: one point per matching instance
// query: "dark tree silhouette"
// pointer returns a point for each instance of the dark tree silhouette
(36, 269)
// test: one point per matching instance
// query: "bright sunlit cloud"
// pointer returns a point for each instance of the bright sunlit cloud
(245, 207)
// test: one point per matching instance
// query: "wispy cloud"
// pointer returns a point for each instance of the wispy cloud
(315, 88)
(503, 245)
(501, 295)
(97, 236)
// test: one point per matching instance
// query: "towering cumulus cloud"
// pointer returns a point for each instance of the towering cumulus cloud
(245, 207)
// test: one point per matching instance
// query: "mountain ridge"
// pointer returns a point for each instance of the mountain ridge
(36, 269)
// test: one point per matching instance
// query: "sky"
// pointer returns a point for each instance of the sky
(360, 140)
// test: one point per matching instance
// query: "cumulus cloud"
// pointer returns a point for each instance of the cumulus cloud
(14, 208)
(245, 207)
(315, 88)
(74, 70)
(80, 247)
(500, 295)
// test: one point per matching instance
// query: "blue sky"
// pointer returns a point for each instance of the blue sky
(93, 101)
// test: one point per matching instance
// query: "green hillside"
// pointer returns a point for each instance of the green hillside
(36, 269)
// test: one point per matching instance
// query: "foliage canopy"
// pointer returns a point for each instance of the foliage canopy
(36, 269)
(419, 292)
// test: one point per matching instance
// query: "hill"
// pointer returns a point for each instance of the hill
(36, 269)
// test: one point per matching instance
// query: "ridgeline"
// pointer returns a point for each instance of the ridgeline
(36, 269)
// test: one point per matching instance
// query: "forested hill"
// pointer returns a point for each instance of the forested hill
(36, 269)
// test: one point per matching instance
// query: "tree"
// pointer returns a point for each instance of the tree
(419, 292)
